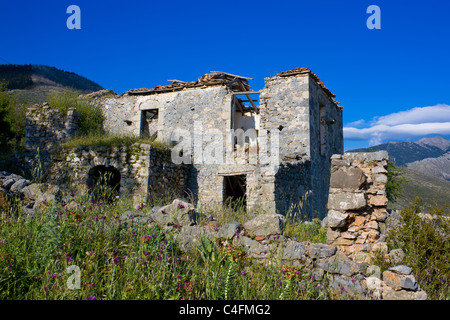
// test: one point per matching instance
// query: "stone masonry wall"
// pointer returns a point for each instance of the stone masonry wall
(333, 142)
(140, 166)
(46, 130)
(357, 202)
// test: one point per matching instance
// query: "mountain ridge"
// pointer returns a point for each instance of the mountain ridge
(28, 77)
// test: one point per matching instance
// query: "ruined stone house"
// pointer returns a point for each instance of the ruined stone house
(293, 121)
(294, 105)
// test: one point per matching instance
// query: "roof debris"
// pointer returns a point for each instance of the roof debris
(209, 79)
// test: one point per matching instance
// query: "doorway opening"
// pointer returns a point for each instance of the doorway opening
(235, 194)
(103, 183)
(149, 127)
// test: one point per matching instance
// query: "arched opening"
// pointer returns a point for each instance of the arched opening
(103, 183)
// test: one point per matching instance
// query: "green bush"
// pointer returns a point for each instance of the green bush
(91, 120)
(426, 244)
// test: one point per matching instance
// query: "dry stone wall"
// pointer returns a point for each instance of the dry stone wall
(46, 130)
(144, 169)
(357, 202)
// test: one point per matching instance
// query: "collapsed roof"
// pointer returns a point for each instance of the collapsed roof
(234, 82)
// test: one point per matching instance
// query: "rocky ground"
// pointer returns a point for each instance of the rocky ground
(261, 237)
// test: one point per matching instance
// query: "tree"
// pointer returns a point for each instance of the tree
(395, 181)
(5, 128)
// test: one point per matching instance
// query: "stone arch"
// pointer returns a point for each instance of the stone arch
(103, 182)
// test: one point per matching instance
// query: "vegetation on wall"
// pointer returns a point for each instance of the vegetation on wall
(91, 120)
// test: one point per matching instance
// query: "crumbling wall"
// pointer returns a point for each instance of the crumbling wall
(284, 105)
(46, 130)
(357, 202)
(144, 169)
(291, 103)
(326, 139)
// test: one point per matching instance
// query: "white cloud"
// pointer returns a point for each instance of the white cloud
(404, 125)
(437, 113)
(357, 123)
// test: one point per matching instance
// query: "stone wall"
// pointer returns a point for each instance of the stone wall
(357, 202)
(329, 125)
(46, 130)
(144, 169)
(292, 104)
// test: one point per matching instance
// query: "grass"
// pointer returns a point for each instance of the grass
(141, 262)
(427, 247)
(107, 140)
(91, 116)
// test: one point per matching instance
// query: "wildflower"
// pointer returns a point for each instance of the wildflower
(72, 194)
(124, 257)
(179, 276)
(68, 259)
(90, 208)
(59, 213)
(216, 229)
(146, 253)
(243, 273)
(116, 260)
(91, 253)
(180, 206)
(91, 298)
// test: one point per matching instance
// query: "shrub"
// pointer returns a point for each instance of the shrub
(394, 182)
(91, 119)
(427, 247)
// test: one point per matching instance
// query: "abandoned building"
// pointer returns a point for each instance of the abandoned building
(295, 103)
(294, 106)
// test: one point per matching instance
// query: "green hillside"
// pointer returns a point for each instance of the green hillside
(28, 76)
(432, 190)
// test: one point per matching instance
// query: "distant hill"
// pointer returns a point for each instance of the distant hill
(32, 76)
(426, 166)
(405, 152)
(432, 190)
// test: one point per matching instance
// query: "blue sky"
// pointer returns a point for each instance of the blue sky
(398, 72)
